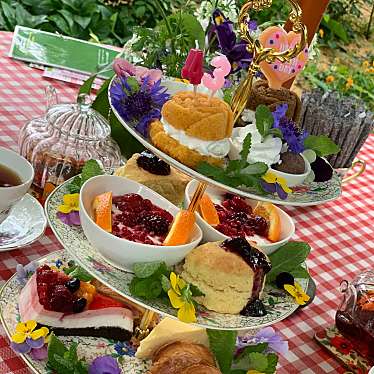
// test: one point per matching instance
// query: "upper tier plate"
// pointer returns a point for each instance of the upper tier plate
(89, 348)
(312, 193)
(278, 304)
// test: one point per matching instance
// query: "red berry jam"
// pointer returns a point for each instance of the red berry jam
(237, 219)
(138, 220)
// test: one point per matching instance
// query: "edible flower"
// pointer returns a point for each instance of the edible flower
(71, 203)
(236, 52)
(28, 340)
(271, 183)
(268, 335)
(297, 292)
(24, 272)
(180, 297)
(104, 365)
(124, 349)
(136, 103)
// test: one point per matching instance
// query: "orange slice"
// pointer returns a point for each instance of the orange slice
(270, 213)
(181, 228)
(102, 206)
(208, 210)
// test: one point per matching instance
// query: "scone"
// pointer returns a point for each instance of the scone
(194, 129)
(231, 274)
(147, 169)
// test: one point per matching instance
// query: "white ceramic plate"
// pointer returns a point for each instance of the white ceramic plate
(25, 224)
(88, 348)
(312, 193)
(278, 304)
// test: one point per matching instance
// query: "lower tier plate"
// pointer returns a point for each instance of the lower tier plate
(88, 348)
(279, 305)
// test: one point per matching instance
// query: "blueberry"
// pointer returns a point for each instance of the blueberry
(73, 284)
(79, 305)
(284, 278)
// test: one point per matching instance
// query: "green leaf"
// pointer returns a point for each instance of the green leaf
(338, 29)
(165, 283)
(258, 361)
(272, 363)
(82, 21)
(246, 147)
(287, 258)
(222, 344)
(55, 348)
(146, 269)
(133, 83)
(321, 144)
(81, 274)
(87, 85)
(264, 119)
(148, 288)
(90, 169)
(300, 272)
(276, 132)
(257, 168)
(196, 291)
(75, 185)
(259, 348)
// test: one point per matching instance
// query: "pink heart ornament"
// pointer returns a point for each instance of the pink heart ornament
(278, 73)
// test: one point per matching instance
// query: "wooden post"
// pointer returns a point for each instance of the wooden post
(312, 14)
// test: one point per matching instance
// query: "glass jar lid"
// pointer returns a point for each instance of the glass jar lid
(79, 120)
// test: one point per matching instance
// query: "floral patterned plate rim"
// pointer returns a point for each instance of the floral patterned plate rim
(278, 304)
(307, 194)
(88, 348)
(342, 349)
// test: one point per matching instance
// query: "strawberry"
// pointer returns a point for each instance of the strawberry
(100, 302)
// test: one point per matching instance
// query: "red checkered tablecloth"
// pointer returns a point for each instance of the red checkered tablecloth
(341, 232)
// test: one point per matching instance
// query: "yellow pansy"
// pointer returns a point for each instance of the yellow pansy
(181, 299)
(71, 203)
(270, 177)
(349, 83)
(27, 330)
(330, 79)
(297, 292)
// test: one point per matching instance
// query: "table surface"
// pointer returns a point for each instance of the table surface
(340, 232)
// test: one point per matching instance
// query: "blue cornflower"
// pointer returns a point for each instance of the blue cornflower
(124, 349)
(138, 104)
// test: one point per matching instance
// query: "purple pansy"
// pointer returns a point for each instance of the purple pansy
(71, 219)
(138, 104)
(236, 52)
(104, 365)
(267, 335)
(36, 348)
(274, 188)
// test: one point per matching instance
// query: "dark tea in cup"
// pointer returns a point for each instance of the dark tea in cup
(9, 178)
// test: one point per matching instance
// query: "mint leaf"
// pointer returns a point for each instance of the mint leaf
(264, 119)
(55, 348)
(146, 269)
(252, 348)
(90, 169)
(222, 344)
(287, 258)
(75, 185)
(165, 283)
(272, 363)
(321, 144)
(258, 361)
(81, 274)
(246, 147)
(147, 288)
(257, 168)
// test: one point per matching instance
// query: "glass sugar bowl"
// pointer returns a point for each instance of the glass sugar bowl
(75, 134)
(355, 317)
(36, 129)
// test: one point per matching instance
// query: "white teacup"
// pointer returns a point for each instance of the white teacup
(10, 195)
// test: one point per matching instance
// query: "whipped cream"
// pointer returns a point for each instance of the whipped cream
(265, 150)
(212, 148)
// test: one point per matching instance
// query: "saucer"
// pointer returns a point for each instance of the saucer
(25, 224)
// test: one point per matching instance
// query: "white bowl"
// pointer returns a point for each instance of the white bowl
(210, 234)
(294, 179)
(10, 195)
(123, 253)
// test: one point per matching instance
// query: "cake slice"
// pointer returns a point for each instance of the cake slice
(103, 317)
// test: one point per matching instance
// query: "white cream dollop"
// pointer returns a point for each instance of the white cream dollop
(265, 150)
(212, 148)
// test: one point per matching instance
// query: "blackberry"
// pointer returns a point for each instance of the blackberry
(151, 163)
(254, 308)
(156, 224)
